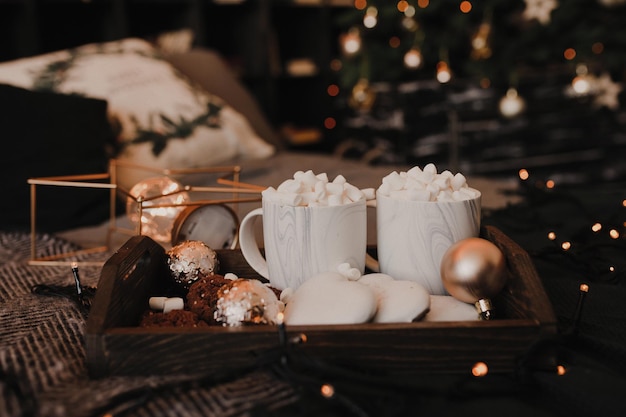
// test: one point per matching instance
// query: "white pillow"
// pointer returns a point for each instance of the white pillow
(164, 120)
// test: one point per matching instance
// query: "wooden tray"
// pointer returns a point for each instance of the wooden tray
(116, 346)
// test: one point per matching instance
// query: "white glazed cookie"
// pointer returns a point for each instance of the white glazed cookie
(330, 298)
(448, 308)
(398, 301)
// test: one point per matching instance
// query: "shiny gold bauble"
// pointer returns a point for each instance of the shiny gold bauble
(473, 270)
(363, 96)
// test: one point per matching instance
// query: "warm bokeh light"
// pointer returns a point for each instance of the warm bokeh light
(336, 64)
(523, 174)
(360, 4)
(566, 245)
(550, 184)
(584, 288)
(560, 370)
(480, 369)
(465, 6)
(569, 54)
(327, 390)
(370, 21)
(485, 82)
(614, 234)
(596, 227)
(413, 58)
(511, 104)
(402, 6)
(551, 235)
(597, 48)
(333, 90)
(351, 41)
(423, 3)
(581, 84)
(410, 11)
(409, 24)
(330, 123)
(443, 72)
(394, 41)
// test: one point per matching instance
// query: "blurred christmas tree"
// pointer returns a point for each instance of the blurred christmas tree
(563, 54)
(496, 39)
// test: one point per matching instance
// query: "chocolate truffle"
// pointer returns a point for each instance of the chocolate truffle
(191, 260)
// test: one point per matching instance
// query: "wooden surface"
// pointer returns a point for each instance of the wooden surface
(115, 346)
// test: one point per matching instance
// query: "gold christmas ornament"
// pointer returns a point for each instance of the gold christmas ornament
(511, 104)
(481, 48)
(473, 271)
(363, 96)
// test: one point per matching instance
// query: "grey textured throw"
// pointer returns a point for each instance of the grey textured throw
(42, 356)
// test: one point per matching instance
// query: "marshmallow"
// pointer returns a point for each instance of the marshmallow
(322, 177)
(457, 181)
(348, 271)
(425, 184)
(395, 181)
(166, 304)
(353, 193)
(156, 303)
(173, 303)
(314, 190)
(418, 195)
(334, 188)
(369, 193)
(335, 200)
(339, 179)
(286, 294)
(290, 187)
(430, 169)
(414, 172)
(307, 179)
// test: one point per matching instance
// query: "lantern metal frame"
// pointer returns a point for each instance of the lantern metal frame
(227, 183)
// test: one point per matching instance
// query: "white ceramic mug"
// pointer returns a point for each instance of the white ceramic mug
(302, 241)
(413, 236)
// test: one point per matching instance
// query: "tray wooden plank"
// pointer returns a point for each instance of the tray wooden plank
(116, 346)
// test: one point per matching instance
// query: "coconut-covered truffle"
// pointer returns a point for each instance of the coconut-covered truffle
(246, 301)
(191, 260)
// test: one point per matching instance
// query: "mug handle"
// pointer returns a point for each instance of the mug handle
(248, 243)
(370, 262)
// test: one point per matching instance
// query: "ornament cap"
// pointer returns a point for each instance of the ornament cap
(484, 308)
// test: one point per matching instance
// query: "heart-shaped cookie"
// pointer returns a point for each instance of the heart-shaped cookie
(330, 298)
(398, 301)
(448, 308)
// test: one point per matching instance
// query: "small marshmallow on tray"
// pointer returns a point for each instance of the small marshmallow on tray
(308, 189)
(166, 304)
(427, 185)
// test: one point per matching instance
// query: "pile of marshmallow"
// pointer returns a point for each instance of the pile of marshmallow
(427, 185)
(308, 189)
